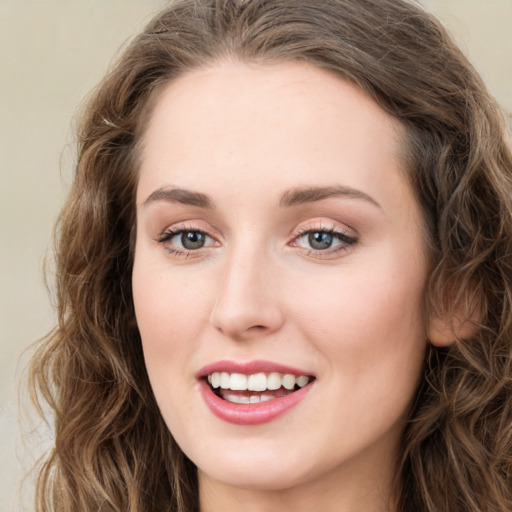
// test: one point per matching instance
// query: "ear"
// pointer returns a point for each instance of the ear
(444, 330)
(461, 321)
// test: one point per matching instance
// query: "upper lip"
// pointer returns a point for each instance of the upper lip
(249, 368)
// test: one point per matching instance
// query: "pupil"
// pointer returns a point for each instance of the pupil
(192, 240)
(320, 240)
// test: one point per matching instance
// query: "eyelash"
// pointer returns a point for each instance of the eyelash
(346, 240)
(170, 233)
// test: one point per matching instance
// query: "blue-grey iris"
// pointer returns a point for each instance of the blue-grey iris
(192, 239)
(320, 240)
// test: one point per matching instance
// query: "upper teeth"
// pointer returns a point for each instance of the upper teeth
(256, 381)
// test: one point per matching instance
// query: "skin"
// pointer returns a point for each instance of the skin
(351, 316)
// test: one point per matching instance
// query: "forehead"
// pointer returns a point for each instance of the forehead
(286, 124)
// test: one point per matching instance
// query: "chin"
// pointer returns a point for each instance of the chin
(257, 477)
(253, 466)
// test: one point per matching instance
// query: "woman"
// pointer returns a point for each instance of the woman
(284, 271)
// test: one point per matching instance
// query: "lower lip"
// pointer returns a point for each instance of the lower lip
(251, 414)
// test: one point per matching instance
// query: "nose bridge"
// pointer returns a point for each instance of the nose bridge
(247, 301)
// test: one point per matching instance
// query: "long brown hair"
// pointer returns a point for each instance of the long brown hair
(112, 449)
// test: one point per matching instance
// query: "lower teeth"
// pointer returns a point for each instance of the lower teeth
(244, 399)
(251, 397)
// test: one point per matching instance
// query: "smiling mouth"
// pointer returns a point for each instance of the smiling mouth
(239, 388)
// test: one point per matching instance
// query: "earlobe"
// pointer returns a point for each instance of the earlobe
(444, 330)
(459, 317)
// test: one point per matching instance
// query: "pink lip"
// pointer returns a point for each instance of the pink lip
(250, 414)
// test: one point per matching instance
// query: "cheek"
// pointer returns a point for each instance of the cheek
(164, 299)
(368, 318)
(351, 304)
(167, 313)
(166, 310)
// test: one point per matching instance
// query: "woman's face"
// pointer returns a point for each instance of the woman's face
(277, 235)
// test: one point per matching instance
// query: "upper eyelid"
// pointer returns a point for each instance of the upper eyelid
(330, 226)
(191, 226)
(334, 231)
(171, 232)
(308, 229)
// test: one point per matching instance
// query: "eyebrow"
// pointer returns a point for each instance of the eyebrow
(179, 195)
(293, 197)
(302, 195)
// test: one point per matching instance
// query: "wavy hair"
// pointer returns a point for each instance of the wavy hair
(112, 451)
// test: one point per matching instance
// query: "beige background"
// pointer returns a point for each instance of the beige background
(51, 53)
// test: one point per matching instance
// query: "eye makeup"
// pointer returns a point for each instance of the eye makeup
(315, 240)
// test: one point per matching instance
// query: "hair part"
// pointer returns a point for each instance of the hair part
(113, 451)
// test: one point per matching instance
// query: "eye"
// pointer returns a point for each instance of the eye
(324, 242)
(183, 241)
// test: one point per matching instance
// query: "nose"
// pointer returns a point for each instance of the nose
(248, 301)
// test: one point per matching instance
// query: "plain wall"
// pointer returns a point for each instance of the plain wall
(52, 52)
